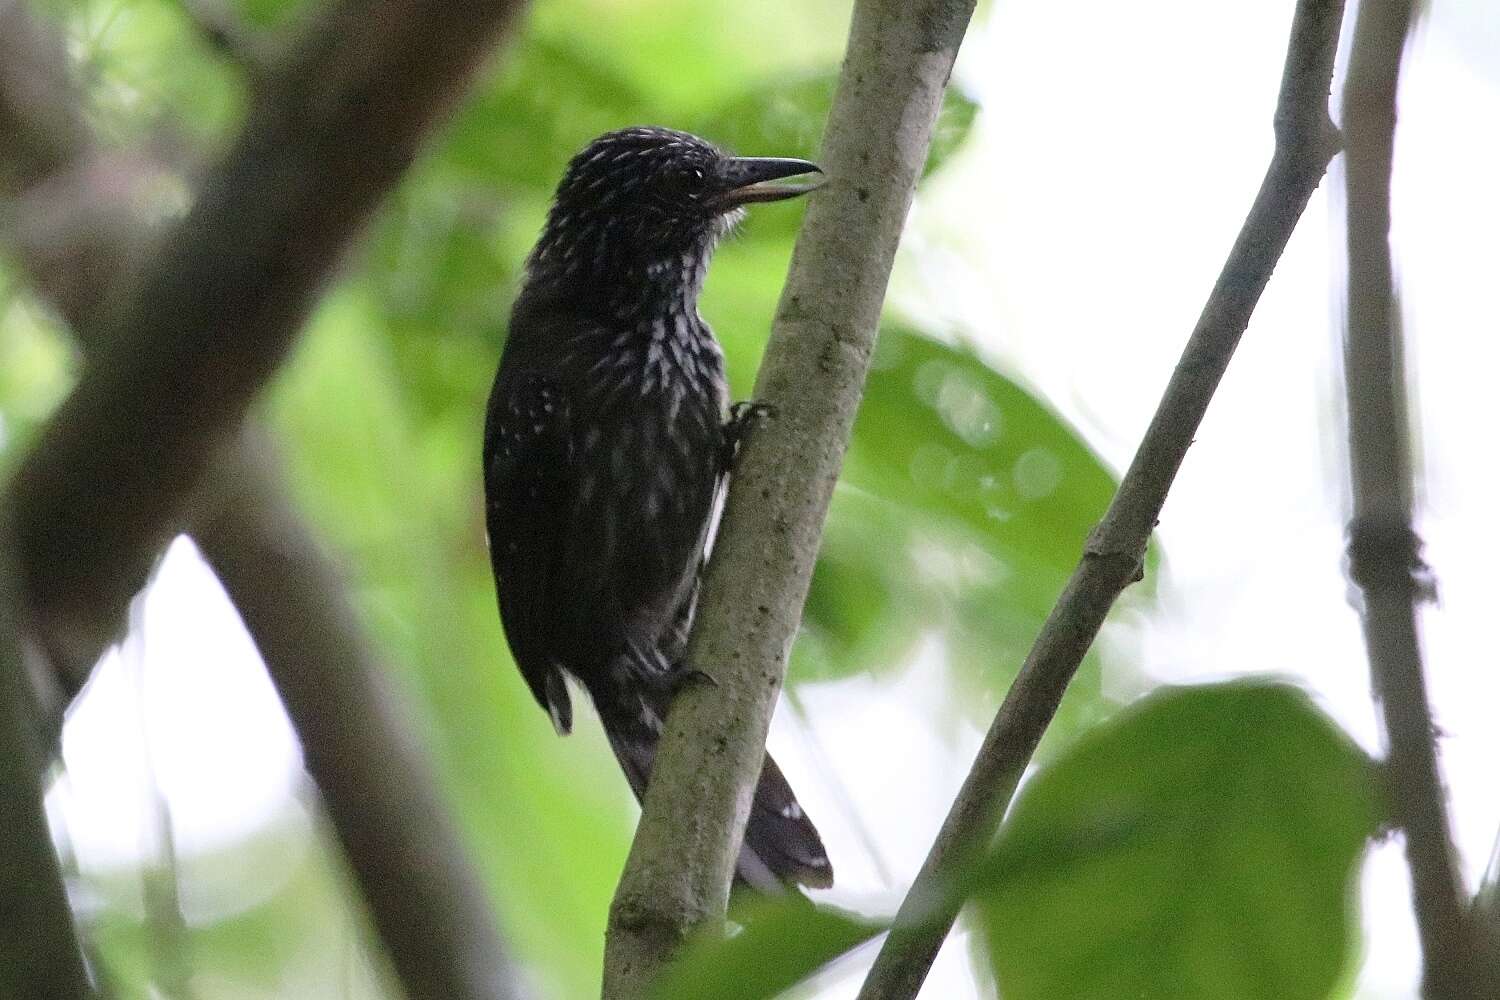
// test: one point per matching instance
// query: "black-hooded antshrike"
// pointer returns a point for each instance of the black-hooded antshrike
(607, 440)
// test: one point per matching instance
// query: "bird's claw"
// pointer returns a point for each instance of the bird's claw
(680, 677)
(743, 412)
(741, 416)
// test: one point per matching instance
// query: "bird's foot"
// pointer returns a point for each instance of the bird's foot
(741, 417)
(680, 676)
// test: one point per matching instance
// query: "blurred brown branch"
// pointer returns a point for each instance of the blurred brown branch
(74, 238)
(890, 88)
(42, 133)
(1305, 142)
(220, 301)
(1384, 550)
(427, 902)
(39, 953)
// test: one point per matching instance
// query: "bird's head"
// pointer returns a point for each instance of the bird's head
(645, 196)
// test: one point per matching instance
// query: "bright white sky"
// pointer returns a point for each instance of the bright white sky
(1074, 241)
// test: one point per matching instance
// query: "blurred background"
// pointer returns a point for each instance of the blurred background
(1092, 166)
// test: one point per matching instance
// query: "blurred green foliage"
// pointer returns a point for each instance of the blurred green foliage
(1204, 843)
(775, 945)
(291, 935)
(35, 368)
(964, 505)
(962, 510)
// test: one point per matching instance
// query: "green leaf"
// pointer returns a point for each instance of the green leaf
(1201, 846)
(954, 438)
(780, 944)
(963, 506)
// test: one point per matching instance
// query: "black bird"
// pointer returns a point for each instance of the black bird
(607, 441)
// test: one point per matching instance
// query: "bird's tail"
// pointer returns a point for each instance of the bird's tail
(782, 847)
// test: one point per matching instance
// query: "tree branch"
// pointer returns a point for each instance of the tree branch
(220, 303)
(426, 902)
(41, 132)
(1305, 142)
(39, 954)
(891, 86)
(428, 905)
(1384, 550)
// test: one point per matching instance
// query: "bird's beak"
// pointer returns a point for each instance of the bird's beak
(753, 178)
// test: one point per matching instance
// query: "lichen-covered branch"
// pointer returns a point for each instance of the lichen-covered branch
(891, 85)
(1305, 142)
(1384, 550)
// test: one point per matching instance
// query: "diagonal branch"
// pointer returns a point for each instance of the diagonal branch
(1305, 142)
(223, 297)
(41, 132)
(428, 905)
(1384, 550)
(890, 88)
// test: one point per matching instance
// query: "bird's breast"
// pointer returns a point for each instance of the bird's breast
(651, 398)
(663, 362)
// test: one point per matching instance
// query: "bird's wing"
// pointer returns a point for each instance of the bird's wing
(527, 475)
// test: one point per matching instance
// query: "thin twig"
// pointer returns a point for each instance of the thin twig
(40, 957)
(891, 86)
(170, 945)
(1305, 142)
(1384, 550)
